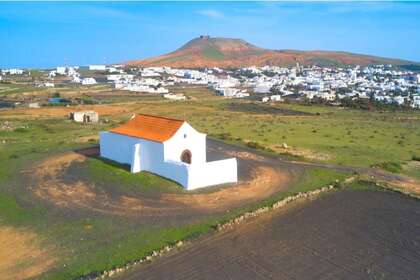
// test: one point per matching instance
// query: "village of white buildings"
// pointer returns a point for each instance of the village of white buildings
(172, 148)
(379, 83)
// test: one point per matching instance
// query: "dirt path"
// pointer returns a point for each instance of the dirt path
(343, 235)
(258, 180)
(20, 255)
(398, 181)
(260, 177)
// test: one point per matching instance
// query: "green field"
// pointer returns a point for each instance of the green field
(86, 241)
(344, 136)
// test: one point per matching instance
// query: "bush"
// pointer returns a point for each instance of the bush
(416, 157)
(255, 145)
(258, 146)
(393, 167)
(225, 136)
(20, 130)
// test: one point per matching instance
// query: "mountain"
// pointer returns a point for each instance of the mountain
(205, 51)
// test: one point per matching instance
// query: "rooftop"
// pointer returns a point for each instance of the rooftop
(154, 128)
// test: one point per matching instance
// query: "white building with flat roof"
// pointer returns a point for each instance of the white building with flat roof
(97, 67)
(88, 81)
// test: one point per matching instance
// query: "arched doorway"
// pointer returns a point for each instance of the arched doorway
(86, 119)
(186, 156)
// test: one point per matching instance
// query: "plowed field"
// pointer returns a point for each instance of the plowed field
(344, 235)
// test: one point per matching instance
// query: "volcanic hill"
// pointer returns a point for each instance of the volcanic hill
(205, 51)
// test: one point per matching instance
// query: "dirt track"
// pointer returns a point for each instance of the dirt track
(260, 177)
(344, 235)
(398, 181)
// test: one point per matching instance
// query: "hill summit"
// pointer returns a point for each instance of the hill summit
(206, 51)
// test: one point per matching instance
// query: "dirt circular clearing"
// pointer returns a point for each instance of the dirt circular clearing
(260, 181)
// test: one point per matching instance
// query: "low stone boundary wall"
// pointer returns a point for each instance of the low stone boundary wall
(279, 204)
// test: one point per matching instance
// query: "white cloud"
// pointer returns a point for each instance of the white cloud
(210, 13)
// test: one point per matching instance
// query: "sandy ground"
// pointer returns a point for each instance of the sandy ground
(264, 182)
(343, 235)
(20, 255)
(258, 179)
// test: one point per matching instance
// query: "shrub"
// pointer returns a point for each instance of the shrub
(21, 130)
(258, 146)
(393, 167)
(416, 157)
(225, 136)
(253, 145)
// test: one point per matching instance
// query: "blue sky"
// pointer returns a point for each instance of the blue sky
(47, 34)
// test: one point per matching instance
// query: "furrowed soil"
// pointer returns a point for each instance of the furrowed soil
(350, 234)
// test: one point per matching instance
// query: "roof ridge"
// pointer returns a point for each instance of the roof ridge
(159, 117)
(155, 128)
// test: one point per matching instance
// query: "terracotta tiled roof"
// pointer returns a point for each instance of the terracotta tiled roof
(149, 127)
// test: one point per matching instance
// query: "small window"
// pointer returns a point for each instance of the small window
(185, 135)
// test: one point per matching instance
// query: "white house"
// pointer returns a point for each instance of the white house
(61, 70)
(416, 101)
(176, 97)
(48, 84)
(168, 147)
(88, 81)
(84, 116)
(34, 105)
(276, 98)
(12, 71)
(97, 67)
